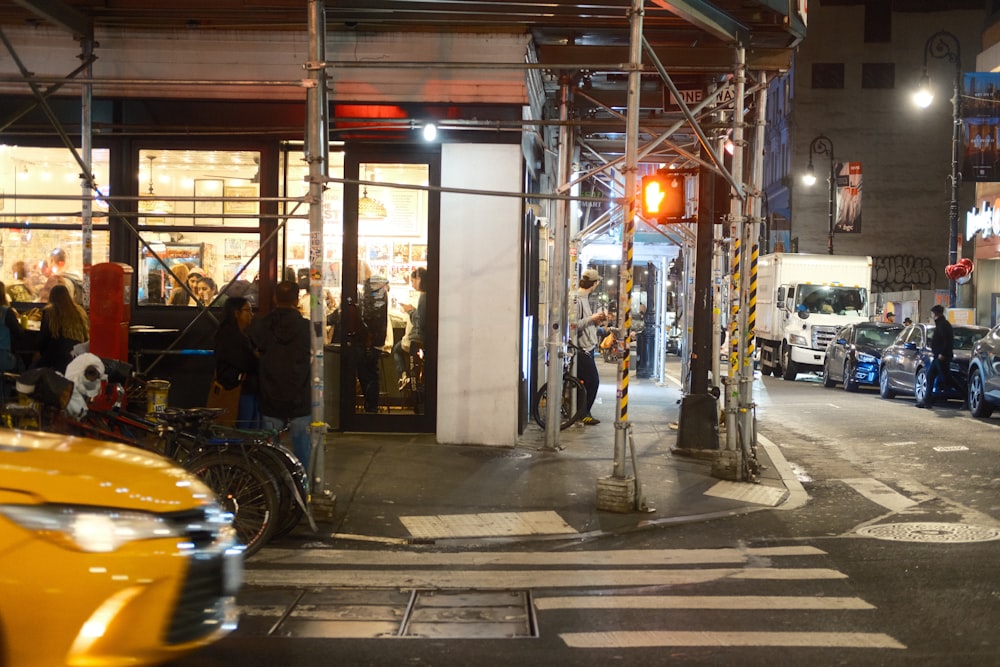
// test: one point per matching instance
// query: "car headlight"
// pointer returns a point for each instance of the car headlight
(795, 339)
(866, 358)
(87, 528)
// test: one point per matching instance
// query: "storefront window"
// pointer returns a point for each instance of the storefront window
(296, 238)
(392, 265)
(41, 234)
(198, 223)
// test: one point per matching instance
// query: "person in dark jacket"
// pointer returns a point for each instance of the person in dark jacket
(943, 349)
(284, 348)
(11, 338)
(236, 361)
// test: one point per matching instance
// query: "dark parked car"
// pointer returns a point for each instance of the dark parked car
(852, 357)
(984, 374)
(905, 363)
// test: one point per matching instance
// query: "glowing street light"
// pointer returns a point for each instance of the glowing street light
(822, 145)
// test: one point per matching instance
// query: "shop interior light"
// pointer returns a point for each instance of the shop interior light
(149, 203)
(370, 208)
(430, 132)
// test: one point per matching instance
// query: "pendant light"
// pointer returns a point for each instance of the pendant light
(148, 203)
(369, 208)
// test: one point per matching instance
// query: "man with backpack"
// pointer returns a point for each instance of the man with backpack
(284, 347)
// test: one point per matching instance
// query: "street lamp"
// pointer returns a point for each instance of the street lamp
(822, 145)
(944, 44)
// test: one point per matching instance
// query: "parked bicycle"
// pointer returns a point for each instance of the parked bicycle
(573, 397)
(253, 475)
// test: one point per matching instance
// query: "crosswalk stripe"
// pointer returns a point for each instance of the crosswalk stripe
(788, 573)
(502, 579)
(730, 602)
(617, 558)
(650, 639)
(880, 494)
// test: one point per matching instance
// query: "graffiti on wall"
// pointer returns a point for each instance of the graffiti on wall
(894, 273)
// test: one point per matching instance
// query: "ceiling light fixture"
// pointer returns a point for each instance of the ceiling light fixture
(371, 208)
(148, 202)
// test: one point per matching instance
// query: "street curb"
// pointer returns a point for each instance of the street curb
(797, 495)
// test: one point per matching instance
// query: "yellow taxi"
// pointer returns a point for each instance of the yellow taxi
(109, 555)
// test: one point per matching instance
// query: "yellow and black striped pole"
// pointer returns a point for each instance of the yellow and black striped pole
(751, 309)
(625, 308)
(620, 492)
(734, 307)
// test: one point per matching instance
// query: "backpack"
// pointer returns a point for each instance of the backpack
(375, 309)
(355, 330)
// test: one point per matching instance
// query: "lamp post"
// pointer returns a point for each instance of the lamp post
(944, 44)
(822, 145)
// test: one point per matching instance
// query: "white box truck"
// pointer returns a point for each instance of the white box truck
(802, 300)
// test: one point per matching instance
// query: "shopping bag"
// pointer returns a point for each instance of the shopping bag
(227, 399)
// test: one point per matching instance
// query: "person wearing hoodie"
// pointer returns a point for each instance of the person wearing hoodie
(281, 340)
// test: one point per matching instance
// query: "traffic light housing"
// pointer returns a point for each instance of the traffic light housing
(662, 197)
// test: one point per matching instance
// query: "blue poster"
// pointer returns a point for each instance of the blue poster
(980, 127)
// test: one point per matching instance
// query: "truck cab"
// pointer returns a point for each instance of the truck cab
(811, 316)
(802, 300)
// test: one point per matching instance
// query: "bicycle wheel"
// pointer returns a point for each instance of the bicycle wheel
(245, 488)
(268, 452)
(572, 407)
(292, 482)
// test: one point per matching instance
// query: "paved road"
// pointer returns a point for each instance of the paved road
(892, 561)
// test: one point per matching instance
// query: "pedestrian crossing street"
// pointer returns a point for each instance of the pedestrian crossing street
(739, 597)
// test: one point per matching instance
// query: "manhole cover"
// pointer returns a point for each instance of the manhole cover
(497, 454)
(931, 532)
(472, 614)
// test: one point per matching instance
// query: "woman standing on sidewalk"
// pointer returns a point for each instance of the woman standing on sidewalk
(584, 331)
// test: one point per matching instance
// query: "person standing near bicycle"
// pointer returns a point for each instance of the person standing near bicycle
(583, 331)
(281, 339)
(236, 365)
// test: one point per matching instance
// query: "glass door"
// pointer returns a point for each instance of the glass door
(388, 313)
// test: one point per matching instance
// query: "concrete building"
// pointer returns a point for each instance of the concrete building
(851, 83)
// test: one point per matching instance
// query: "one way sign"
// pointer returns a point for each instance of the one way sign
(693, 97)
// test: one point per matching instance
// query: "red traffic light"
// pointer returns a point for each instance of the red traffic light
(662, 197)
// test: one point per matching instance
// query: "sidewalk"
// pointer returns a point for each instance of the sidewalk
(405, 489)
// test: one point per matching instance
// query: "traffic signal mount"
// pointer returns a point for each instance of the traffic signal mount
(662, 197)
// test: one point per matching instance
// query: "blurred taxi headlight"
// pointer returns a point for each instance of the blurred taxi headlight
(86, 528)
(866, 358)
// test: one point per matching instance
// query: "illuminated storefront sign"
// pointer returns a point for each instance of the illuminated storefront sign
(984, 220)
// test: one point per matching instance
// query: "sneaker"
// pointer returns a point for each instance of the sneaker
(590, 421)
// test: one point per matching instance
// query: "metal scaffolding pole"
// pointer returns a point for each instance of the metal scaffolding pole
(86, 176)
(728, 462)
(317, 151)
(619, 492)
(751, 234)
(558, 272)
